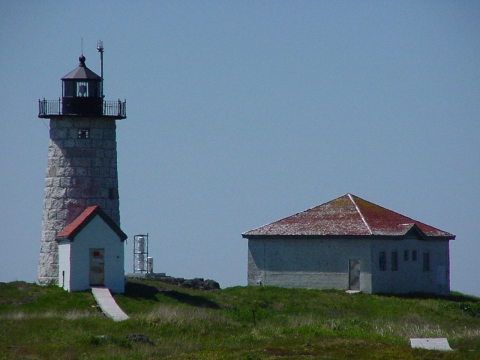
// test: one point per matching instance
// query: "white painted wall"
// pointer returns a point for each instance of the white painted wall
(97, 234)
(410, 276)
(323, 264)
(64, 264)
(307, 263)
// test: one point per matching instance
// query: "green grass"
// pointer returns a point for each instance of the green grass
(233, 323)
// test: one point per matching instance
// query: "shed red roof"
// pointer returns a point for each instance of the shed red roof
(347, 215)
(71, 230)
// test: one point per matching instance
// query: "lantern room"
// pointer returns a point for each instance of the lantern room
(82, 91)
(82, 95)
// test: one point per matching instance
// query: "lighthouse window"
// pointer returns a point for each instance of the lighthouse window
(69, 89)
(113, 193)
(82, 89)
(93, 88)
(84, 133)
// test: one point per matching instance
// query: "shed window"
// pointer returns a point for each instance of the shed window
(414, 255)
(426, 261)
(382, 260)
(394, 260)
(406, 255)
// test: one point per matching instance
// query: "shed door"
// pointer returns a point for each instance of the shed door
(354, 274)
(97, 265)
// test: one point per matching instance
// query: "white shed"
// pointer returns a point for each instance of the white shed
(91, 252)
(352, 244)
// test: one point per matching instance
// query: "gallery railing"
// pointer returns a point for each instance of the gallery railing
(52, 108)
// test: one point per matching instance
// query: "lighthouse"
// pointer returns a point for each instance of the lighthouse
(81, 177)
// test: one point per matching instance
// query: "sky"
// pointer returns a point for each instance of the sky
(240, 113)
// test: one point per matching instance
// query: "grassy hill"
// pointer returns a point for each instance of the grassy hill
(233, 323)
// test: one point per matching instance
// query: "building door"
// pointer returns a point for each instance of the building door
(97, 266)
(354, 274)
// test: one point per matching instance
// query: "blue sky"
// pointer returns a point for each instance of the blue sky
(242, 113)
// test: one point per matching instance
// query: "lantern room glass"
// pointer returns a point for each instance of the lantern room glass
(81, 89)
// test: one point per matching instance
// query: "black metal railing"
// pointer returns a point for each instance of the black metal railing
(115, 108)
(49, 108)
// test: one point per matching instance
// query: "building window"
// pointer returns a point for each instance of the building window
(84, 133)
(394, 260)
(68, 89)
(426, 261)
(82, 89)
(406, 255)
(414, 255)
(112, 193)
(382, 260)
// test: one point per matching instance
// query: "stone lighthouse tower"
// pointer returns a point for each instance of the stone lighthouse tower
(82, 158)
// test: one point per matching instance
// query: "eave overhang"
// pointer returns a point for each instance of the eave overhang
(76, 226)
(348, 217)
(346, 237)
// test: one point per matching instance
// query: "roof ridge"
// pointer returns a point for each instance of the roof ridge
(338, 217)
(289, 216)
(360, 213)
(72, 229)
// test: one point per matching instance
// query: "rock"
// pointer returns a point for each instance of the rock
(229, 306)
(211, 285)
(195, 284)
(139, 338)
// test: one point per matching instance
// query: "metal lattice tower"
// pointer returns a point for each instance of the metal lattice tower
(140, 253)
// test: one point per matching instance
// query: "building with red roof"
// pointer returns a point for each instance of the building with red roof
(352, 244)
(91, 252)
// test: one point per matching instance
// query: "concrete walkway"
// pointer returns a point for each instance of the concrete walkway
(431, 344)
(107, 303)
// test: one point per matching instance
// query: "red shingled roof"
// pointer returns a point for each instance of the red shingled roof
(71, 230)
(348, 215)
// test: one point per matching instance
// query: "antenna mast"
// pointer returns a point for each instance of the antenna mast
(100, 50)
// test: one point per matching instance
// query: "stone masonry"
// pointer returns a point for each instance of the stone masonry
(80, 172)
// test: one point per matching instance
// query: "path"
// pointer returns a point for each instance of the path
(107, 303)
(431, 344)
